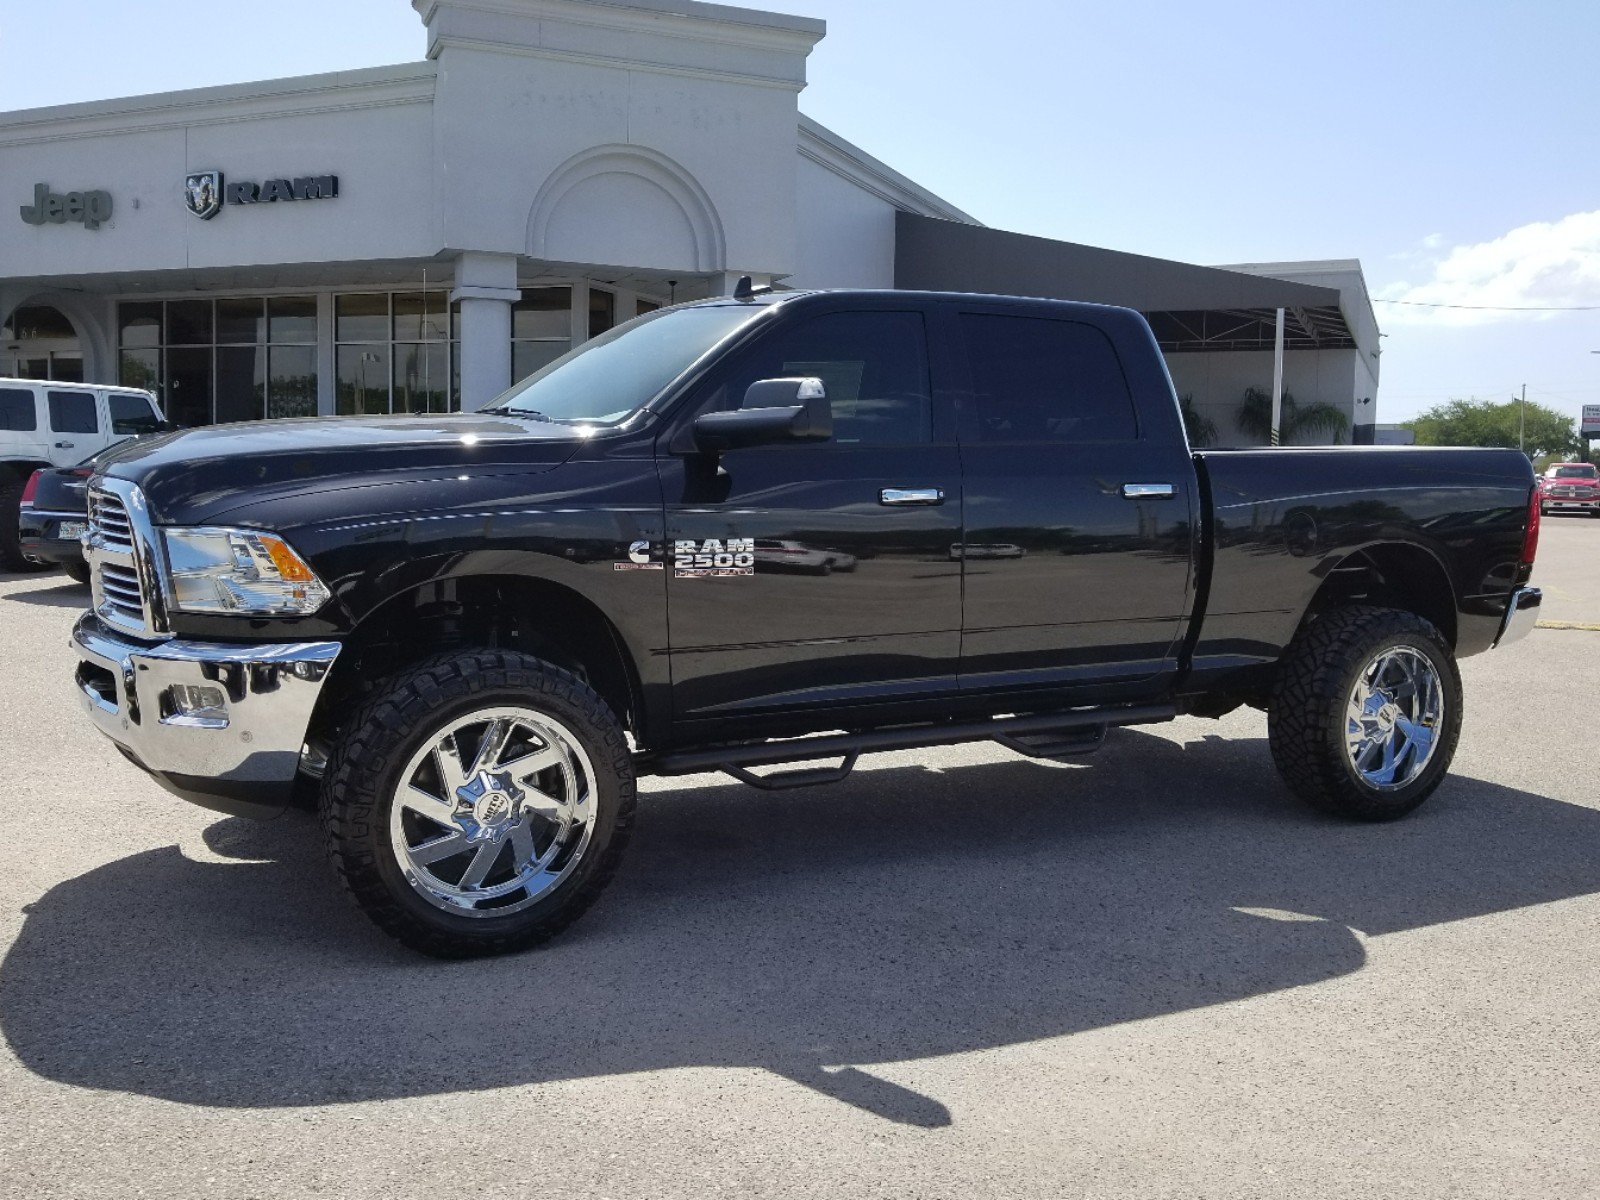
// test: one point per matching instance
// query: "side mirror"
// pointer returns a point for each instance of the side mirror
(775, 410)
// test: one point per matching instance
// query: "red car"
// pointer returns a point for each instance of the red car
(1570, 487)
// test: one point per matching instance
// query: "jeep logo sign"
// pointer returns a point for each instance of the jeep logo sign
(89, 209)
(206, 193)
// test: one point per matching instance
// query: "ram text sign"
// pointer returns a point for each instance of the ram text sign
(205, 192)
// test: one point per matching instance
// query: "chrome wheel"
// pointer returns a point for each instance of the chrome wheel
(494, 812)
(1392, 721)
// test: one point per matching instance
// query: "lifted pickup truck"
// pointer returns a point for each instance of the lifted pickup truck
(465, 636)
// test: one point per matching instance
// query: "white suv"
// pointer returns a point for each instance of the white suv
(50, 424)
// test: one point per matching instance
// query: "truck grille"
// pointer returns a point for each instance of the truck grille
(119, 541)
(108, 517)
(123, 601)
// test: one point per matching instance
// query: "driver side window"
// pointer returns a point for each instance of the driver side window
(874, 365)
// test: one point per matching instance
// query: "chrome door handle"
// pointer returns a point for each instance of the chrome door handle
(66, 445)
(1148, 491)
(911, 496)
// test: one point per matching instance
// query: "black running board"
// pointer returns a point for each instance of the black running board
(1042, 735)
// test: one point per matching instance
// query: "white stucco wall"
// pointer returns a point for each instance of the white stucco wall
(370, 128)
(1218, 381)
(845, 234)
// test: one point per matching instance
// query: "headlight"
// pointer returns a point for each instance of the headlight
(241, 572)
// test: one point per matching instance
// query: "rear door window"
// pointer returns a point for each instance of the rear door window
(1036, 379)
(73, 412)
(18, 413)
(131, 415)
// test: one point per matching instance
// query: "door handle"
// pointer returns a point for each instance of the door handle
(1148, 491)
(66, 445)
(903, 496)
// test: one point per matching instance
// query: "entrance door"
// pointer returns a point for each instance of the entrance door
(1069, 579)
(849, 595)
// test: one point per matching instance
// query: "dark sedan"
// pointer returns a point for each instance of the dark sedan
(54, 514)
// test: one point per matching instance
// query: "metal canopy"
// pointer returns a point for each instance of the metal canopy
(1192, 309)
(1250, 329)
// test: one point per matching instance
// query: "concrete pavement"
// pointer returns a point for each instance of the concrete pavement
(961, 973)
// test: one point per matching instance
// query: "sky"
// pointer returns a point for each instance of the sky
(1450, 145)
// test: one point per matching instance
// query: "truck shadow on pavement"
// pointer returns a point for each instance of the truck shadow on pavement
(911, 912)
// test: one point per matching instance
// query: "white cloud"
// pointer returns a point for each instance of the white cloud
(1543, 265)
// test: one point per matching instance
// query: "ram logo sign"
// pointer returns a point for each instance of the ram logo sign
(206, 192)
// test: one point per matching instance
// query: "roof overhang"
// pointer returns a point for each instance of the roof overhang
(1191, 308)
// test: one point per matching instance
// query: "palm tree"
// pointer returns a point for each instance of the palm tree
(1201, 428)
(1295, 421)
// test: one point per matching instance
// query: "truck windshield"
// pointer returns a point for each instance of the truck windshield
(607, 379)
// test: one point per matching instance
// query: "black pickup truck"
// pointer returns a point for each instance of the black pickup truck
(754, 533)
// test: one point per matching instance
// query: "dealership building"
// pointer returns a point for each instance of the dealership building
(416, 238)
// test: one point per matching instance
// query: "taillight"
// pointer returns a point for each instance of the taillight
(33, 486)
(1530, 540)
(83, 472)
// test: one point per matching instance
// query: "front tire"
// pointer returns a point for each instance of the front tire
(1366, 715)
(479, 803)
(78, 572)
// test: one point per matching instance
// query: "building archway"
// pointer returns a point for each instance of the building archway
(626, 205)
(39, 341)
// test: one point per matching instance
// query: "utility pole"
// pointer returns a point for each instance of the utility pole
(1522, 420)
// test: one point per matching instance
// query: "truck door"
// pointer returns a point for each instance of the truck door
(1079, 504)
(819, 574)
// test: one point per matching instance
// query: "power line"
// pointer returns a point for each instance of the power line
(1495, 307)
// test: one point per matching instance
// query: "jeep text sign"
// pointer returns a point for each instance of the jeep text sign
(89, 209)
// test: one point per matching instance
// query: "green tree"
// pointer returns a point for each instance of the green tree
(1545, 432)
(1201, 428)
(1295, 421)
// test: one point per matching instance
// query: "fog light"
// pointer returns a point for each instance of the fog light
(194, 704)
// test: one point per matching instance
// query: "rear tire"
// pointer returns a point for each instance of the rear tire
(78, 572)
(1366, 714)
(11, 557)
(478, 803)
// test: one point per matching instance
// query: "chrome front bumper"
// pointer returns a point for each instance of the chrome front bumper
(1522, 614)
(238, 753)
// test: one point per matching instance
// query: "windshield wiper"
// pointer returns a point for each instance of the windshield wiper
(510, 410)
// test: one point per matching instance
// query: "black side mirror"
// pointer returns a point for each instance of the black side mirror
(775, 410)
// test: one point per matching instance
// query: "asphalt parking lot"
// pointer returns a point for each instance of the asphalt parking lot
(959, 974)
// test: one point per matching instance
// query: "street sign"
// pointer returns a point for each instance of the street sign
(1591, 421)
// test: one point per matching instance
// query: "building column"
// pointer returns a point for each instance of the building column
(486, 287)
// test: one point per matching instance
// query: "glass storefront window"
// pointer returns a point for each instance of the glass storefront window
(363, 380)
(421, 377)
(362, 318)
(241, 383)
(242, 322)
(421, 317)
(292, 381)
(189, 323)
(643, 307)
(217, 360)
(141, 369)
(143, 325)
(541, 329)
(395, 352)
(602, 312)
(292, 320)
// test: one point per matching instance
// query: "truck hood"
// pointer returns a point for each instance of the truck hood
(196, 475)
